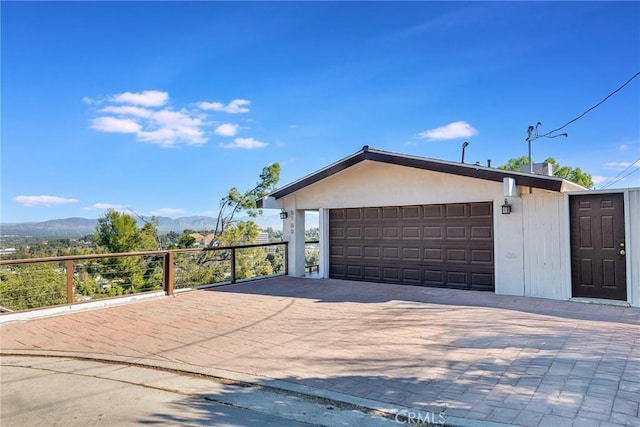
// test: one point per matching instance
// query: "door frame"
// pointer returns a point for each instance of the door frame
(627, 235)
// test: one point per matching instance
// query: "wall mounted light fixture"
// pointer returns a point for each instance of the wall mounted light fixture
(506, 208)
(283, 214)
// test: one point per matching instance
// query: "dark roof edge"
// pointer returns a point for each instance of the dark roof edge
(551, 183)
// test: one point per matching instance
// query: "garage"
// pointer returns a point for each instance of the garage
(443, 245)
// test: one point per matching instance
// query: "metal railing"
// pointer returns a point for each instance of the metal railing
(312, 256)
(44, 282)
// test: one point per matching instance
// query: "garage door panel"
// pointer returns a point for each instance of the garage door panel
(411, 232)
(354, 252)
(372, 273)
(411, 276)
(482, 256)
(390, 213)
(371, 233)
(455, 211)
(433, 212)
(391, 232)
(456, 232)
(354, 214)
(391, 253)
(371, 213)
(336, 215)
(482, 232)
(456, 278)
(411, 254)
(337, 251)
(391, 274)
(336, 232)
(337, 270)
(456, 255)
(354, 271)
(434, 245)
(481, 210)
(482, 281)
(433, 277)
(411, 212)
(433, 255)
(433, 232)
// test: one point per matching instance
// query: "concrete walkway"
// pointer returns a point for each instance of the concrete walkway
(71, 392)
(474, 355)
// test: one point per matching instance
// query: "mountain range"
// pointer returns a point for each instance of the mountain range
(76, 227)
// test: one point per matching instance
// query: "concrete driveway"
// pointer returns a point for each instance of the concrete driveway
(473, 355)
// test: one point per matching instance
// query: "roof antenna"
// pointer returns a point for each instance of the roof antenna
(464, 146)
(532, 135)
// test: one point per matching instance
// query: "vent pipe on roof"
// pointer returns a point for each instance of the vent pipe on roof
(489, 163)
(464, 146)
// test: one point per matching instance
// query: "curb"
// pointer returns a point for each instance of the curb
(367, 406)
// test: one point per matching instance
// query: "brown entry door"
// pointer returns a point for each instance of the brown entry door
(598, 266)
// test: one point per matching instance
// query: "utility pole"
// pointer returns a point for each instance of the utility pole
(532, 135)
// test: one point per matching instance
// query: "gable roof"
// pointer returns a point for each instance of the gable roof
(551, 183)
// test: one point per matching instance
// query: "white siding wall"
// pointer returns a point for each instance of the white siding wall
(545, 239)
(633, 246)
(531, 246)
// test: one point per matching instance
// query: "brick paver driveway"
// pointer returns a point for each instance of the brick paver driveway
(514, 360)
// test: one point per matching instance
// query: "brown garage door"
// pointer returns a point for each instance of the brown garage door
(435, 245)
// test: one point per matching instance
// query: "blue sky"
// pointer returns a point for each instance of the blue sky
(163, 106)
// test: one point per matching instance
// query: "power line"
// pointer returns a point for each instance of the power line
(622, 177)
(618, 177)
(595, 106)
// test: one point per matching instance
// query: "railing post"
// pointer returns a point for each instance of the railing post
(168, 273)
(70, 282)
(286, 258)
(233, 265)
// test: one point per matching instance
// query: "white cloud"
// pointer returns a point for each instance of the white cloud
(621, 165)
(146, 115)
(245, 143)
(624, 147)
(43, 200)
(227, 129)
(104, 206)
(168, 212)
(114, 124)
(91, 101)
(128, 110)
(453, 130)
(597, 179)
(164, 127)
(234, 107)
(147, 98)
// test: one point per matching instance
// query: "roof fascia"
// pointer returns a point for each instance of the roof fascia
(472, 171)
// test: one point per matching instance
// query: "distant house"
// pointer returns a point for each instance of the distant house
(202, 239)
(395, 218)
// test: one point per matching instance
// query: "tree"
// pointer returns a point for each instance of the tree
(235, 200)
(32, 285)
(186, 241)
(119, 232)
(575, 175)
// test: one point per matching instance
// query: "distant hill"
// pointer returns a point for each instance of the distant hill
(76, 227)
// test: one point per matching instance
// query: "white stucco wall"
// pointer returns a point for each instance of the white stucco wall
(378, 184)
